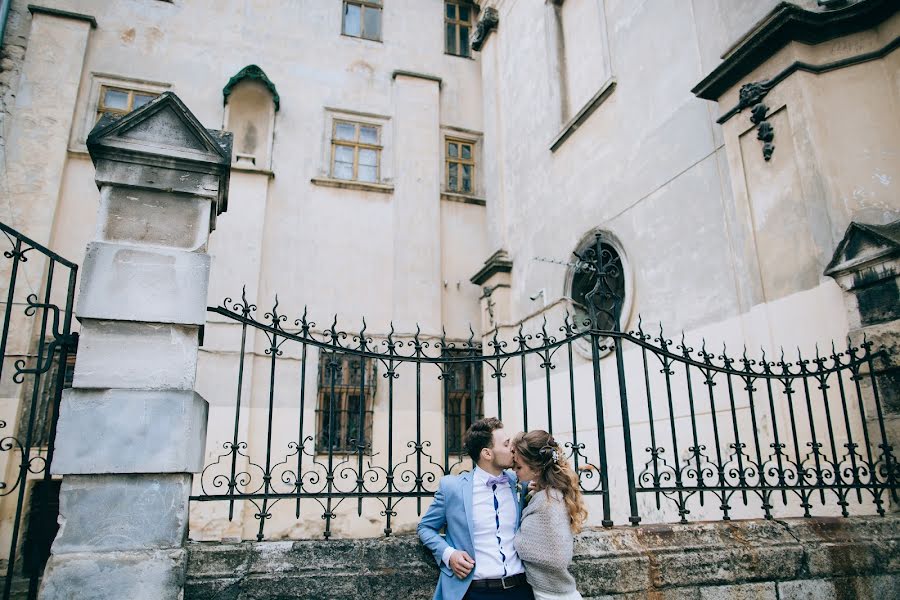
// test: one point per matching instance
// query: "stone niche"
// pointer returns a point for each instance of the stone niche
(251, 102)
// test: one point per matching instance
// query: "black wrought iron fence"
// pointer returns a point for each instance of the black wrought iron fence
(37, 346)
(653, 428)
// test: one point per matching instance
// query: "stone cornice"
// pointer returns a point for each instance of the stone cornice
(752, 93)
(498, 263)
(865, 247)
(165, 134)
(427, 77)
(65, 14)
(789, 23)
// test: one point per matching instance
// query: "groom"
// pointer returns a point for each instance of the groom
(480, 510)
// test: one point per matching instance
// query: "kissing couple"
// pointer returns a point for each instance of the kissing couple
(507, 535)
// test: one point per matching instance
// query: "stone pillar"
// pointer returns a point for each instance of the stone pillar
(132, 430)
(494, 174)
(416, 204)
(42, 118)
(866, 265)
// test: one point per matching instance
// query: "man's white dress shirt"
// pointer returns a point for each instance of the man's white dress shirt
(495, 555)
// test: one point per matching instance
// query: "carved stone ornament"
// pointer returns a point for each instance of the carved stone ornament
(751, 95)
(488, 22)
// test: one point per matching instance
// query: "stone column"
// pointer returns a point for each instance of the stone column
(132, 430)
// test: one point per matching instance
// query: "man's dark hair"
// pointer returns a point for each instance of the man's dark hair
(480, 435)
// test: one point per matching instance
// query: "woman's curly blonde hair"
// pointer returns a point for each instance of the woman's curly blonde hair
(543, 454)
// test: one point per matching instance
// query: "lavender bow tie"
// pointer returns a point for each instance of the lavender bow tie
(502, 479)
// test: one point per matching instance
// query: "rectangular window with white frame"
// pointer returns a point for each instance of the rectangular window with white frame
(362, 19)
(356, 151)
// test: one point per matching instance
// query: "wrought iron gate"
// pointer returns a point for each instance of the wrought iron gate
(38, 349)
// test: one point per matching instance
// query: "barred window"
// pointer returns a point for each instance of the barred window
(457, 26)
(120, 100)
(460, 166)
(463, 397)
(362, 18)
(344, 408)
(356, 151)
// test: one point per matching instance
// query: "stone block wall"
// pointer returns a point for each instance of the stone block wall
(792, 559)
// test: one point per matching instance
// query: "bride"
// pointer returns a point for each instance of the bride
(554, 512)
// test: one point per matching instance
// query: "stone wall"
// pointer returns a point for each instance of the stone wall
(12, 57)
(791, 559)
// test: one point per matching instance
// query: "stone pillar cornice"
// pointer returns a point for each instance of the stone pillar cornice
(135, 150)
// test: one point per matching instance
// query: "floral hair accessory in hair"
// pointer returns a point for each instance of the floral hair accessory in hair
(551, 450)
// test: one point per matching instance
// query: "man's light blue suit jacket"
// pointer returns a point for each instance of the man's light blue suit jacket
(452, 508)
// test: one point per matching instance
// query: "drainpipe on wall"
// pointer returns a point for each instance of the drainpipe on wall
(4, 14)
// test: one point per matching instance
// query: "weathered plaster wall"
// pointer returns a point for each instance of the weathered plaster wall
(760, 560)
(721, 244)
(651, 165)
(658, 158)
(341, 251)
(12, 56)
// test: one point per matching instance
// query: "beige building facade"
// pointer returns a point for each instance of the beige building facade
(435, 164)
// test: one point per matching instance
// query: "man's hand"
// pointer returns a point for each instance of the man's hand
(461, 563)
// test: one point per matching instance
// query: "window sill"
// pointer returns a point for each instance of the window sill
(464, 198)
(470, 57)
(359, 37)
(586, 111)
(346, 184)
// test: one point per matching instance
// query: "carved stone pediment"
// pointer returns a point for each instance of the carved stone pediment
(867, 253)
(165, 135)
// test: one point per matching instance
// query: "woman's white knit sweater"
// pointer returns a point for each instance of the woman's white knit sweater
(545, 543)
